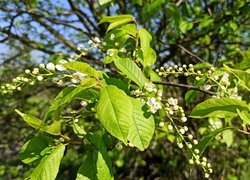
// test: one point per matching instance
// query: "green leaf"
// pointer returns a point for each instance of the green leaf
(244, 116)
(116, 21)
(206, 21)
(103, 162)
(36, 123)
(68, 94)
(83, 68)
(114, 111)
(97, 164)
(49, 165)
(205, 141)
(185, 26)
(243, 76)
(31, 150)
(130, 29)
(152, 8)
(102, 2)
(148, 53)
(87, 170)
(218, 108)
(142, 127)
(131, 70)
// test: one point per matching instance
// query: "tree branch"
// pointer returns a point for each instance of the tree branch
(189, 87)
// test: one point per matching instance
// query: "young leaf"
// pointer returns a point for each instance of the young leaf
(68, 94)
(49, 165)
(116, 21)
(32, 149)
(244, 116)
(205, 141)
(130, 29)
(142, 126)
(83, 68)
(131, 70)
(148, 53)
(218, 108)
(114, 111)
(243, 76)
(36, 123)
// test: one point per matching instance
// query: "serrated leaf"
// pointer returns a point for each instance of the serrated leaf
(148, 53)
(83, 68)
(31, 150)
(142, 127)
(218, 108)
(131, 70)
(243, 76)
(130, 29)
(114, 111)
(111, 19)
(36, 123)
(68, 94)
(87, 169)
(103, 162)
(49, 165)
(116, 21)
(205, 141)
(244, 116)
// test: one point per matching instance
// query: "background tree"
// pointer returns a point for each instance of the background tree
(183, 32)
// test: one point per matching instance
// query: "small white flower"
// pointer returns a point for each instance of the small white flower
(207, 87)
(190, 136)
(172, 101)
(195, 141)
(161, 124)
(90, 42)
(39, 78)
(50, 66)
(191, 161)
(225, 78)
(84, 103)
(27, 71)
(149, 87)
(197, 78)
(35, 71)
(170, 127)
(206, 175)
(123, 50)
(97, 39)
(137, 92)
(196, 151)
(63, 61)
(190, 146)
(42, 65)
(60, 67)
(116, 44)
(110, 52)
(182, 131)
(151, 101)
(75, 81)
(25, 79)
(79, 75)
(180, 145)
(216, 77)
(183, 119)
(112, 37)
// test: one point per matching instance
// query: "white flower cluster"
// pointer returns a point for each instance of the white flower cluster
(31, 76)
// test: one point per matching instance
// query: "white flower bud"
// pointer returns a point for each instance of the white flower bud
(39, 78)
(35, 71)
(84, 103)
(182, 131)
(60, 67)
(50, 66)
(161, 124)
(170, 127)
(180, 145)
(207, 87)
(190, 136)
(27, 71)
(196, 151)
(191, 161)
(195, 141)
(42, 65)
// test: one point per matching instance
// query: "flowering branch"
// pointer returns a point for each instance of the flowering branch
(185, 86)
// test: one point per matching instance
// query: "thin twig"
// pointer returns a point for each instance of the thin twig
(184, 86)
(190, 53)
